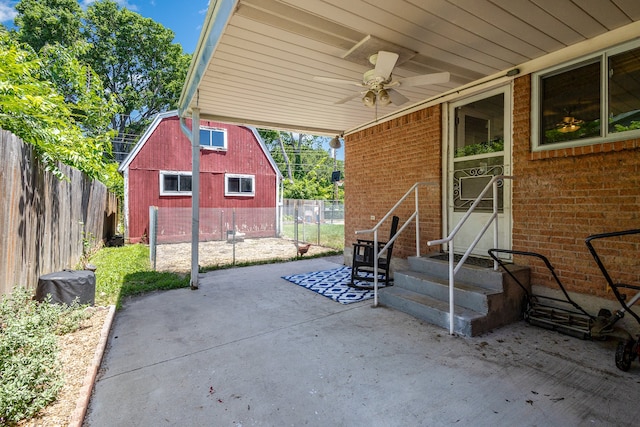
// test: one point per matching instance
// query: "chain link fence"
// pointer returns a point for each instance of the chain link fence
(314, 221)
(245, 235)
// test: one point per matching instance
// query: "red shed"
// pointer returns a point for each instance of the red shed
(239, 182)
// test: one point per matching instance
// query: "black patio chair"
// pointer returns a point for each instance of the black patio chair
(363, 259)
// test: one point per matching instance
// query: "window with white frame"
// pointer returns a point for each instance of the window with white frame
(593, 100)
(239, 185)
(175, 183)
(213, 138)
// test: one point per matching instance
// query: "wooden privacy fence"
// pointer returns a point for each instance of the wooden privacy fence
(46, 223)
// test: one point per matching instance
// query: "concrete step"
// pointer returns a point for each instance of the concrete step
(484, 299)
(431, 310)
(479, 275)
(467, 295)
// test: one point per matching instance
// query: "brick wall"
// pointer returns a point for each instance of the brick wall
(559, 197)
(381, 164)
(562, 196)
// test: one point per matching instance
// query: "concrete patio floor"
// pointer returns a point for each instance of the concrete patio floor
(249, 348)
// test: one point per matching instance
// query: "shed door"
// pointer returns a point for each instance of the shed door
(479, 148)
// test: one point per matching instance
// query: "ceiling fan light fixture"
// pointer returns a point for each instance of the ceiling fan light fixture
(369, 98)
(378, 85)
(383, 98)
(568, 128)
(569, 124)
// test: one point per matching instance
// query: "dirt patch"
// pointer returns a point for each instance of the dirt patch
(177, 257)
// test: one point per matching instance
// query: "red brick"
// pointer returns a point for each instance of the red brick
(559, 196)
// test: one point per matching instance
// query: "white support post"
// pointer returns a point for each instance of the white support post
(417, 223)
(153, 234)
(496, 243)
(195, 195)
(451, 287)
(375, 268)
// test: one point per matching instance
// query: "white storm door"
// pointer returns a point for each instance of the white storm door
(479, 148)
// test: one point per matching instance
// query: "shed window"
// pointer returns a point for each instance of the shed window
(175, 183)
(239, 185)
(213, 138)
(590, 101)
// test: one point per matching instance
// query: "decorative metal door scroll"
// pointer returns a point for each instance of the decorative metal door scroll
(469, 179)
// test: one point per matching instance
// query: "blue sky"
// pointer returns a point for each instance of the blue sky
(184, 18)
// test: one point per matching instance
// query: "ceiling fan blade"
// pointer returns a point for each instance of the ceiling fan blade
(340, 81)
(385, 63)
(348, 98)
(425, 79)
(396, 97)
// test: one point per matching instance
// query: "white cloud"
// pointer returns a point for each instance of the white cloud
(122, 3)
(7, 11)
(125, 3)
(203, 11)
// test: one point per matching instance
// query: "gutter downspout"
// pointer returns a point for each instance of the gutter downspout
(194, 137)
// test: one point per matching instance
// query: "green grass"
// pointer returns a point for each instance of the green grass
(125, 271)
(331, 235)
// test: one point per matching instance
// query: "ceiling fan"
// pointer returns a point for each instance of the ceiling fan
(569, 124)
(378, 83)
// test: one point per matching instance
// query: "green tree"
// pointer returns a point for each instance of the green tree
(305, 164)
(48, 21)
(137, 62)
(52, 29)
(92, 109)
(141, 69)
(32, 108)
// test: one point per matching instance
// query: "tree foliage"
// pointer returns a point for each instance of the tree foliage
(92, 109)
(305, 164)
(88, 74)
(48, 21)
(141, 69)
(32, 108)
(137, 62)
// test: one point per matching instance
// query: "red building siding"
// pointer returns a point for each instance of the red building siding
(168, 149)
